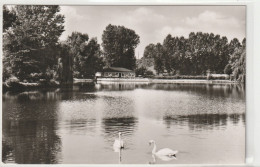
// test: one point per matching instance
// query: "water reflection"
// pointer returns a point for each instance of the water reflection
(203, 122)
(119, 86)
(80, 126)
(39, 125)
(118, 116)
(214, 90)
(162, 158)
(37, 142)
(112, 126)
(29, 129)
(226, 90)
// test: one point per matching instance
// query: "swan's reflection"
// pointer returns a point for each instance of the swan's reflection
(162, 157)
(119, 151)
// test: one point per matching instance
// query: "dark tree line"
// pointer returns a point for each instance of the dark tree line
(30, 40)
(33, 52)
(198, 54)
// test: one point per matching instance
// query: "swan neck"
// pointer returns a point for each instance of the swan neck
(154, 148)
(119, 136)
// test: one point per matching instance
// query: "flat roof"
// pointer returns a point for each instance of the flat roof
(116, 69)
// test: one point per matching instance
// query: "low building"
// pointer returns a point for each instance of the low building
(116, 72)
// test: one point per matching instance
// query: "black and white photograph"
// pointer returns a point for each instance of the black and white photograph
(123, 84)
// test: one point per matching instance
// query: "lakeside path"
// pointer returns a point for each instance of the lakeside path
(147, 80)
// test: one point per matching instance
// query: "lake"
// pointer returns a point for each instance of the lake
(204, 122)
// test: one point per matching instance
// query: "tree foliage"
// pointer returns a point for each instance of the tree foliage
(238, 62)
(65, 65)
(197, 54)
(119, 45)
(9, 18)
(30, 43)
(86, 55)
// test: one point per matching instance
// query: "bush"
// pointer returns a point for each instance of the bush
(13, 83)
(149, 73)
(35, 77)
(140, 71)
(228, 69)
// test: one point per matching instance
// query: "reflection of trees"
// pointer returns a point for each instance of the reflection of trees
(235, 118)
(216, 90)
(33, 141)
(29, 130)
(206, 121)
(118, 116)
(111, 127)
(81, 125)
(120, 86)
(84, 86)
(7, 150)
(203, 121)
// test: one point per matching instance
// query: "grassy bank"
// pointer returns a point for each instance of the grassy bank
(21, 86)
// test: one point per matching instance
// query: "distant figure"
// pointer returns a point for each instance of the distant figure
(164, 154)
(118, 144)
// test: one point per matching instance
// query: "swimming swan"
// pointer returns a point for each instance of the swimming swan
(162, 152)
(119, 143)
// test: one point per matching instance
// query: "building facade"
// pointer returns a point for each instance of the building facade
(116, 72)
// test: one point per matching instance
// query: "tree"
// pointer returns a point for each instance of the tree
(29, 46)
(238, 62)
(228, 69)
(234, 43)
(158, 60)
(9, 18)
(119, 45)
(140, 71)
(149, 51)
(169, 48)
(86, 55)
(92, 61)
(77, 43)
(195, 55)
(65, 65)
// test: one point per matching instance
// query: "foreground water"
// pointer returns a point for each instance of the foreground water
(206, 123)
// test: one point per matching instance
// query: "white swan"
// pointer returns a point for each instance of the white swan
(119, 143)
(162, 152)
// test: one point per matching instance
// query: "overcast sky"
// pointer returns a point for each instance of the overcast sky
(153, 23)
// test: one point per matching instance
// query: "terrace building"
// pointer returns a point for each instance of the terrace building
(116, 72)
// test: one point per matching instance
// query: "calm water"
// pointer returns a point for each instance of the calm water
(206, 123)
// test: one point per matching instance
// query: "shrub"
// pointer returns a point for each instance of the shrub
(149, 73)
(228, 69)
(13, 83)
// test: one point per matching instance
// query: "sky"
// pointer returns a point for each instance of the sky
(154, 23)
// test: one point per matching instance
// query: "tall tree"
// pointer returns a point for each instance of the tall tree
(87, 59)
(65, 65)
(92, 60)
(238, 62)
(119, 45)
(149, 51)
(158, 60)
(77, 45)
(30, 44)
(9, 18)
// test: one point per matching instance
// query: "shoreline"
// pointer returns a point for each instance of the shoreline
(150, 80)
(20, 86)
